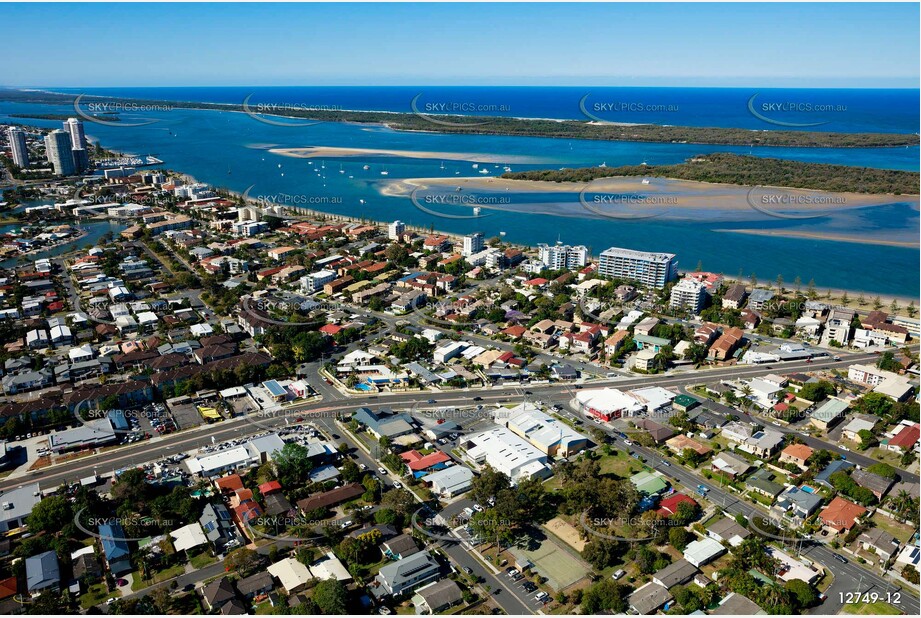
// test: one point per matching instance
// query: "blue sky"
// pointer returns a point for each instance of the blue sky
(822, 45)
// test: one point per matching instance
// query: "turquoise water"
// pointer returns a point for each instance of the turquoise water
(95, 230)
(232, 150)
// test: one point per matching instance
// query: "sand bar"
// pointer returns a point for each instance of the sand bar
(863, 240)
(672, 194)
(333, 152)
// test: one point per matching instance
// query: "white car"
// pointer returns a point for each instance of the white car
(382, 470)
(397, 486)
(628, 442)
(478, 508)
(618, 574)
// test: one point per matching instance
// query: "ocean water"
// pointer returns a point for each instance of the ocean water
(845, 110)
(232, 150)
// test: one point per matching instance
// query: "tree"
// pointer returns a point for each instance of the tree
(331, 596)
(400, 500)
(817, 391)
(803, 594)
(602, 553)
(243, 561)
(50, 515)
(488, 484)
(605, 595)
(883, 469)
(293, 464)
(867, 439)
(678, 538)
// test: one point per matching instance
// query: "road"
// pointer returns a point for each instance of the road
(848, 577)
(856, 458)
(157, 448)
(324, 412)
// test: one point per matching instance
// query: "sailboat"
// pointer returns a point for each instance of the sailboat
(604, 164)
(442, 165)
(341, 171)
(384, 172)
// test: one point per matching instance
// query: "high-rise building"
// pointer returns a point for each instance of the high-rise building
(651, 269)
(689, 294)
(80, 154)
(473, 243)
(81, 159)
(18, 149)
(558, 256)
(395, 230)
(74, 128)
(58, 152)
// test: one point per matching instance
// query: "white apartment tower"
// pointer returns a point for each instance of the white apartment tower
(18, 150)
(395, 230)
(651, 269)
(473, 243)
(58, 152)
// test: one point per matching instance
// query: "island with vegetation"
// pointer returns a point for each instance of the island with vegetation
(747, 170)
(528, 127)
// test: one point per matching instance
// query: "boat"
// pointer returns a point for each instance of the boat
(476, 165)
(279, 165)
(645, 181)
(604, 164)
(384, 172)
(442, 165)
(341, 171)
(366, 167)
(476, 211)
(484, 171)
(506, 169)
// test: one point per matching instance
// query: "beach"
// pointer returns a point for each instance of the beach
(665, 194)
(332, 152)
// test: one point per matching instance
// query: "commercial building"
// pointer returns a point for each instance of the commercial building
(550, 435)
(507, 453)
(651, 269)
(17, 505)
(607, 403)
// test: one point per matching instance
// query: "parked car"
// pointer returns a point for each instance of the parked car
(618, 574)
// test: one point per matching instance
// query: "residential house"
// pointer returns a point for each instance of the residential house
(405, 575)
(840, 515)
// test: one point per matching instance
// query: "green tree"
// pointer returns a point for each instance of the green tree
(331, 596)
(293, 464)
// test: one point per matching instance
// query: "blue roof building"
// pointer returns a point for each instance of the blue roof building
(115, 547)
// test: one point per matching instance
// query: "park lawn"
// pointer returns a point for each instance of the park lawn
(620, 464)
(870, 609)
(902, 532)
(200, 561)
(187, 604)
(137, 583)
(892, 458)
(96, 594)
